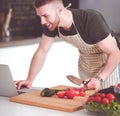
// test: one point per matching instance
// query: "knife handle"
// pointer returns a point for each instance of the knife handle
(86, 82)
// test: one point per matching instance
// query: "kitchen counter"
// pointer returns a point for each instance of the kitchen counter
(19, 41)
(26, 40)
(8, 108)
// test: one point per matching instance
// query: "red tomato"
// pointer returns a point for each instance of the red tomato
(76, 93)
(70, 94)
(90, 99)
(61, 94)
(82, 89)
(76, 88)
(97, 99)
(102, 95)
(110, 96)
(79, 89)
(105, 101)
(82, 93)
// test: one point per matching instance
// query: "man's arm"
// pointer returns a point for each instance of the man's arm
(111, 49)
(37, 61)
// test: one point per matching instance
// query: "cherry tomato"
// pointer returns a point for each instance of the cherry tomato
(105, 101)
(76, 93)
(82, 93)
(110, 96)
(75, 88)
(102, 95)
(79, 89)
(70, 94)
(97, 99)
(61, 94)
(91, 98)
(82, 89)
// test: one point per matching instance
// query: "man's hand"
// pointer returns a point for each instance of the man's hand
(94, 83)
(23, 83)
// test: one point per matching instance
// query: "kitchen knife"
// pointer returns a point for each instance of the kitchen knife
(76, 80)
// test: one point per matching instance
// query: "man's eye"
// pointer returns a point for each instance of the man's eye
(45, 16)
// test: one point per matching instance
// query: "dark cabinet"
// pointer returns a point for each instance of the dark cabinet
(24, 21)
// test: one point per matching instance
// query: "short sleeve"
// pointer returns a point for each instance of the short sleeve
(97, 29)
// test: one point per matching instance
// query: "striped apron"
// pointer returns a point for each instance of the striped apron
(91, 60)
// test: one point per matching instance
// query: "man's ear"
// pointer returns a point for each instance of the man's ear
(59, 9)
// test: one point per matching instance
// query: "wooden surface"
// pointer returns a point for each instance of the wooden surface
(63, 104)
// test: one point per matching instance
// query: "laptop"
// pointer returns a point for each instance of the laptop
(7, 85)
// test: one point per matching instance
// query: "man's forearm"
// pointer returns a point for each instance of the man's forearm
(111, 64)
(36, 65)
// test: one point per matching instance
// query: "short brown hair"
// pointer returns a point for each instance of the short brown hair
(39, 3)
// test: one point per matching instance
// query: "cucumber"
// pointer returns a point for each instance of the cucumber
(46, 92)
(50, 93)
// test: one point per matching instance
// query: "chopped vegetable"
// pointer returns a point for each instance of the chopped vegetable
(47, 92)
(104, 103)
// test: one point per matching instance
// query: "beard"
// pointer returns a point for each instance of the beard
(52, 26)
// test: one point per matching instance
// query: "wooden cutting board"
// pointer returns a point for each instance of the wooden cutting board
(62, 104)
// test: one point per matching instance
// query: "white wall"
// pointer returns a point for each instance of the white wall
(62, 60)
(109, 8)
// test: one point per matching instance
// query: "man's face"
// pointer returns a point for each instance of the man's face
(48, 16)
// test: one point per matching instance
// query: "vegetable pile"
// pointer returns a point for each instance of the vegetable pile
(68, 93)
(71, 93)
(104, 102)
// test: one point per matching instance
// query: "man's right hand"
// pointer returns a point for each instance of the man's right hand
(23, 83)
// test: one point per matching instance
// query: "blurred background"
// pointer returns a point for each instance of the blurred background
(24, 22)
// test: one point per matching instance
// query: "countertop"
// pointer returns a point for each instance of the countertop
(26, 40)
(20, 41)
(8, 108)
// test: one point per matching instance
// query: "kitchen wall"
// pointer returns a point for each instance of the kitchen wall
(109, 8)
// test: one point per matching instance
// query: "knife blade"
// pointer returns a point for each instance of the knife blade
(76, 80)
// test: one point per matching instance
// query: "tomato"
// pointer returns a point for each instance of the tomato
(105, 101)
(82, 89)
(101, 98)
(61, 94)
(70, 94)
(97, 99)
(79, 89)
(91, 98)
(82, 93)
(76, 93)
(75, 90)
(110, 96)
(102, 95)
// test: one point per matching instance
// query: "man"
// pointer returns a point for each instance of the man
(84, 29)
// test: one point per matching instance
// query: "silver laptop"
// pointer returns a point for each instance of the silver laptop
(7, 85)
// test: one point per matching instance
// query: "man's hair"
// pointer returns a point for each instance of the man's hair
(39, 3)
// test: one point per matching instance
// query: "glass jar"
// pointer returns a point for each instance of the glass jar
(117, 91)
